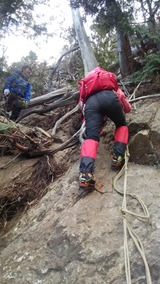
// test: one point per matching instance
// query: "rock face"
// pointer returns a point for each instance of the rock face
(65, 239)
(145, 134)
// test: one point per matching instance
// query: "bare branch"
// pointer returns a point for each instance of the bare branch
(134, 94)
(63, 118)
(57, 65)
(47, 97)
(145, 97)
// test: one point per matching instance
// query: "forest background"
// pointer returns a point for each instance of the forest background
(124, 36)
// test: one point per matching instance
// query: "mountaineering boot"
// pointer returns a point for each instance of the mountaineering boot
(117, 162)
(86, 180)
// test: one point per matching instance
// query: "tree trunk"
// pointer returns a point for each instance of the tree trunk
(126, 61)
(48, 97)
(88, 57)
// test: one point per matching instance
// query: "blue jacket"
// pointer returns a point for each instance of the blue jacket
(19, 84)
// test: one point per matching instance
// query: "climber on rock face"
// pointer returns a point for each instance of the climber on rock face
(100, 96)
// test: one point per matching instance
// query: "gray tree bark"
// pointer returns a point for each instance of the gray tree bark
(126, 60)
(88, 57)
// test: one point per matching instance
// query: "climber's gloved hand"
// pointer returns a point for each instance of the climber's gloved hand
(25, 104)
(22, 103)
(6, 92)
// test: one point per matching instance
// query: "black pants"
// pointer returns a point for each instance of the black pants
(12, 105)
(99, 105)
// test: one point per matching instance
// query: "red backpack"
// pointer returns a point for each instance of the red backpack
(97, 80)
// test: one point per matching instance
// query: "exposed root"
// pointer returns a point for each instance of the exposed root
(27, 188)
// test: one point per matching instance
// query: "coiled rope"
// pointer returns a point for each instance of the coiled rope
(127, 227)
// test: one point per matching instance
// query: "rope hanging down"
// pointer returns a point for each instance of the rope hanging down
(127, 228)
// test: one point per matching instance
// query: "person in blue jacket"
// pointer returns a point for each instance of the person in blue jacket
(17, 91)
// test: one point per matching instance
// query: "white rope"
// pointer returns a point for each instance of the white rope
(126, 224)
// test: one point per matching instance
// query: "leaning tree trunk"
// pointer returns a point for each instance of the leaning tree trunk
(88, 57)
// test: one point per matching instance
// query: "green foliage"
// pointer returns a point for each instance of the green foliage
(39, 77)
(20, 15)
(104, 46)
(108, 14)
(4, 127)
(151, 68)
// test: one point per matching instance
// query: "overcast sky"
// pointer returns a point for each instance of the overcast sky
(18, 46)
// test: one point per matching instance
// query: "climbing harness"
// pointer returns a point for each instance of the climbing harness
(127, 227)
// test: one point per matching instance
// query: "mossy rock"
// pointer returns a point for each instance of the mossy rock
(6, 125)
